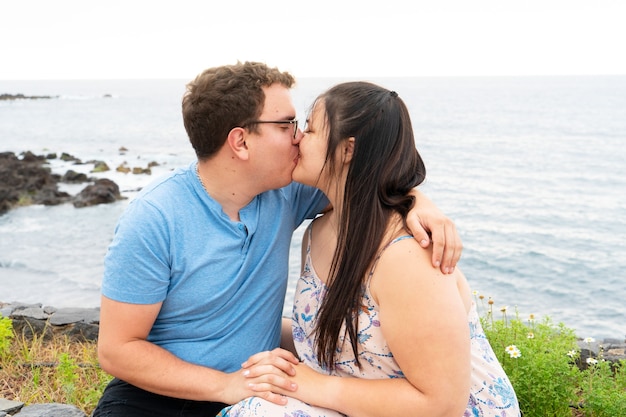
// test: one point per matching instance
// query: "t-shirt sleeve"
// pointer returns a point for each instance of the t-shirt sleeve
(136, 266)
(307, 202)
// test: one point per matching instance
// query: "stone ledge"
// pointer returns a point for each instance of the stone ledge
(79, 324)
(38, 410)
(611, 350)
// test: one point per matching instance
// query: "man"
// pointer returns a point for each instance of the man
(196, 275)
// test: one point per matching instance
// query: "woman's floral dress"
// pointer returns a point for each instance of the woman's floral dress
(491, 393)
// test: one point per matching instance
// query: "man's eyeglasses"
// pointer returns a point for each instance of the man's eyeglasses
(278, 122)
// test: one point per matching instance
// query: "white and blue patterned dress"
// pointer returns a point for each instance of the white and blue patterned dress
(491, 393)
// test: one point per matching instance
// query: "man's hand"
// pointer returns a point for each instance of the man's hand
(427, 222)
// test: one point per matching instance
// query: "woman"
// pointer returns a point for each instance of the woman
(380, 331)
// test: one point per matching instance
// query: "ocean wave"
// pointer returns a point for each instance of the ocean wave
(11, 263)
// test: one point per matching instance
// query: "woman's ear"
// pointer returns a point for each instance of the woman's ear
(348, 150)
(237, 142)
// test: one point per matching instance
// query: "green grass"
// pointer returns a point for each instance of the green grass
(43, 371)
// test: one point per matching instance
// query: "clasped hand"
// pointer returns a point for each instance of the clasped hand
(265, 374)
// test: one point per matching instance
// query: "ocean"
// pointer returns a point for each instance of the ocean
(531, 169)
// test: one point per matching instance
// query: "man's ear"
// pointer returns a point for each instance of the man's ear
(348, 150)
(237, 142)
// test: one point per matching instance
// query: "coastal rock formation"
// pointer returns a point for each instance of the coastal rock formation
(79, 324)
(101, 192)
(28, 180)
(23, 97)
(41, 410)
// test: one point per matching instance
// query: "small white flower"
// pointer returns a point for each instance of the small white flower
(572, 353)
(530, 335)
(589, 340)
(591, 361)
(513, 351)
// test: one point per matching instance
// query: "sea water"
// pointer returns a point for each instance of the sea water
(531, 169)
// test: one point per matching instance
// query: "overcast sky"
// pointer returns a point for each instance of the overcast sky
(81, 39)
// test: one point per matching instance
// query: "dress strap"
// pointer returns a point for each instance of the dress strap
(309, 232)
(399, 238)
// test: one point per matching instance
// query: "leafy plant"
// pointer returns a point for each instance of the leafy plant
(540, 358)
(6, 334)
(67, 374)
(603, 388)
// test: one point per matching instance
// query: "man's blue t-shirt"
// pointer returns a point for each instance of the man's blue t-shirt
(222, 283)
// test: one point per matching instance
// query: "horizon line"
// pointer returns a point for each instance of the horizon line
(330, 77)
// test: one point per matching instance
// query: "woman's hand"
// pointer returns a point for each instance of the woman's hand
(266, 374)
(309, 386)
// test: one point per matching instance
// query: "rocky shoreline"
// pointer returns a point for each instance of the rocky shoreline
(79, 324)
(6, 96)
(27, 179)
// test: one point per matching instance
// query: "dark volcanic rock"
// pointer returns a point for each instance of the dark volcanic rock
(50, 410)
(6, 96)
(102, 191)
(73, 177)
(29, 180)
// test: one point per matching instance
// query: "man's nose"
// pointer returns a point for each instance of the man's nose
(298, 137)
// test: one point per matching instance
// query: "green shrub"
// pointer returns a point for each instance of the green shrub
(604, 389)
(540, 358)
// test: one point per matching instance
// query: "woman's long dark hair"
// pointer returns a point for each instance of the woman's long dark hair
(385, 166)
